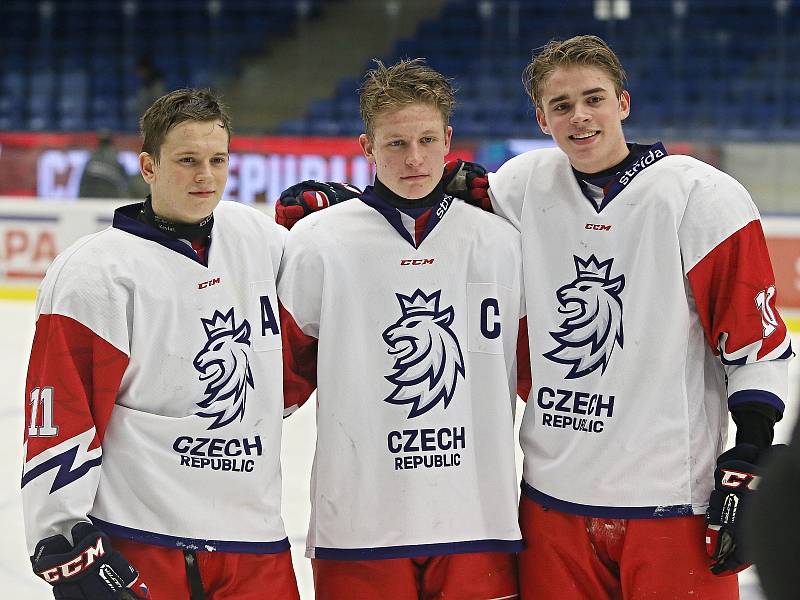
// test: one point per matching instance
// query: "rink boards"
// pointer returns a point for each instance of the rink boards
(32, 233)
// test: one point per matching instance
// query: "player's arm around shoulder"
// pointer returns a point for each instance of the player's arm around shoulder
(259, 218)
(254, 231)
(509, 185)
(496, 231)
(309, 196)
(301, 282)
(251, 223)
(497, 238)
(301, 276)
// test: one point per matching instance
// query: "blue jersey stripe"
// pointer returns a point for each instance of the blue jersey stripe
(169, 541)
(608, 512)
(760, 396)
(416, 550)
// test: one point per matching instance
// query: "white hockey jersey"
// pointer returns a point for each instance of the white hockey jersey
(640, 307)
(409, 327)
(154, 388)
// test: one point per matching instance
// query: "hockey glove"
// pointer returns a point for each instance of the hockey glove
(89, 570)
(467, 181)
(310, 196)
(735, 478)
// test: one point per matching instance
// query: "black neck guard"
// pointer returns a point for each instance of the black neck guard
(397, 201)
(184, 231)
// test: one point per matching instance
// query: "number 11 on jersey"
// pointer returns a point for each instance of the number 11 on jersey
(41, 424)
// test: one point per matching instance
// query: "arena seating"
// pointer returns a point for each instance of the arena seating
(712, 68)
(71, 64)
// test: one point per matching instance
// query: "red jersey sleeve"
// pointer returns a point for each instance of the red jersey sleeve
(524, 378)
(299, 363)
(735, 295)
(71, 387)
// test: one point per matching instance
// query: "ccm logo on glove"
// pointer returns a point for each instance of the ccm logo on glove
(76, 565)
(738, 479)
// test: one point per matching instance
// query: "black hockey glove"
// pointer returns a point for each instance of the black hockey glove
(310, 196)
(735, 478)
(89, 570)
(467, 181)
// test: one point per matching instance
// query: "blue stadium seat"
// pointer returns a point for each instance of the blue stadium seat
(727, 48)
(292, 127)
(72, 122)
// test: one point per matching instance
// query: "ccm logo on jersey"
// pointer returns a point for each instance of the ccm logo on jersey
(205, 284)
(597, 227)
(416, 261)
(738, 479)
(75, 566)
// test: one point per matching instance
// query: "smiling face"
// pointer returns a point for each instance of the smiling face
(189, 175)
(408, 146)
(580, 109)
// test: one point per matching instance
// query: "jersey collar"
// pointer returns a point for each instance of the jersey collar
(126, 218)
(601, 188)
(413, 223)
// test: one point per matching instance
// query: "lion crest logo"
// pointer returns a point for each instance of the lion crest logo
(427, 356)
(592, 324)
(225, 363)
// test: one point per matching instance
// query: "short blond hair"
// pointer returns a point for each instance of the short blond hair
(581, 50)
(406, 82)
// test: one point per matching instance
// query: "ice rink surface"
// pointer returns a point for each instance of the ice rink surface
(16, 580)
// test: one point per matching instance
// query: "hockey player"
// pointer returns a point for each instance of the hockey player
(403, 310)
(772, 523)
(154, 401)
(652, 313)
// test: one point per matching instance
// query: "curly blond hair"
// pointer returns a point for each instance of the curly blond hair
(406, 82)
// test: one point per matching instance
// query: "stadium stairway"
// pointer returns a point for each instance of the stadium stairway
(323, 52)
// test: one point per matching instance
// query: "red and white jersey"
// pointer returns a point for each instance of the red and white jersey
(154, 400)
(408, 328)
(640, 307)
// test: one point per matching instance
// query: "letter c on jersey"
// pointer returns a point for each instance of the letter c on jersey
(489, 330)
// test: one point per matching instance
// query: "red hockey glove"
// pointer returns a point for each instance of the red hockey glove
(467, 181)
(310, 196)
(735, 479)
(89, 570)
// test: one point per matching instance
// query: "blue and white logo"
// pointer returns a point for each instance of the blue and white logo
(225, 362)
(593, 318)
(427, 356)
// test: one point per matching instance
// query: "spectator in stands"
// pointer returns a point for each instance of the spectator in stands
(104, 176)
(151, 84)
